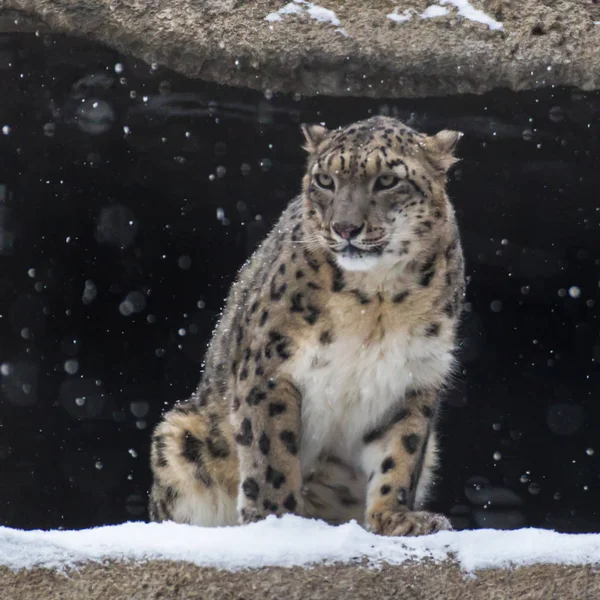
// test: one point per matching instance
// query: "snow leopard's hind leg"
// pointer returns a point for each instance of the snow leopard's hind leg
(195, 468)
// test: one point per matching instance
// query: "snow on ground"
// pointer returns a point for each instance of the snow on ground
(290, 541)
(464, 7)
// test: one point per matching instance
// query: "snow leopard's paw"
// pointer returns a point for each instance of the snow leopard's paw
(401, 523)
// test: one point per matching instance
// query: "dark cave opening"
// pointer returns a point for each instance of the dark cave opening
(130, 196)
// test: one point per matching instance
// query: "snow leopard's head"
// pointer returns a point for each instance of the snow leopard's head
(374, 191)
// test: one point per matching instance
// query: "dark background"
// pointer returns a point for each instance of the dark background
(129, 197)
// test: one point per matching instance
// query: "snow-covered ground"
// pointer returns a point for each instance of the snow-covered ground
(290, 541)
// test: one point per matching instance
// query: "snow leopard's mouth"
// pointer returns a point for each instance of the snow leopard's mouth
(352, 251)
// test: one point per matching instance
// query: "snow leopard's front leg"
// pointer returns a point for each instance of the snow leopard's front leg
(267, 425)
(395, 456)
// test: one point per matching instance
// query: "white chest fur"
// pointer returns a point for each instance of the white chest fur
(350, 385)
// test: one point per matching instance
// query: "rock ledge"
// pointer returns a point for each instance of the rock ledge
(355, 49)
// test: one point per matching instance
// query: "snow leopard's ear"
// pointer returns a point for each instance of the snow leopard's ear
(440, 148)
(314, 135)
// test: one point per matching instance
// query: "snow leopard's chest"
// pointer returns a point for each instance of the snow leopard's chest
(350, 385)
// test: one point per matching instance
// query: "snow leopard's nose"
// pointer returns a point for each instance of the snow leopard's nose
(347, 230)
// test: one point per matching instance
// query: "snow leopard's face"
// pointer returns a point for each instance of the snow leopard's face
(374, 190)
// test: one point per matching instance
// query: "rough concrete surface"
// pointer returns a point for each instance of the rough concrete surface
(543, 42)
(176, 581)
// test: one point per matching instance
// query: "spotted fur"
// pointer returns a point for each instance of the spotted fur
(322, 380)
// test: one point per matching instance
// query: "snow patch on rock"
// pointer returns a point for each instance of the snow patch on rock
(435, 10)
(314, 11)
(402, 17)
(288, 9)
(464, 8)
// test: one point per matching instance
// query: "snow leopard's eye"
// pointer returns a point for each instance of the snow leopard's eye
(325, 181)
(386, 182)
